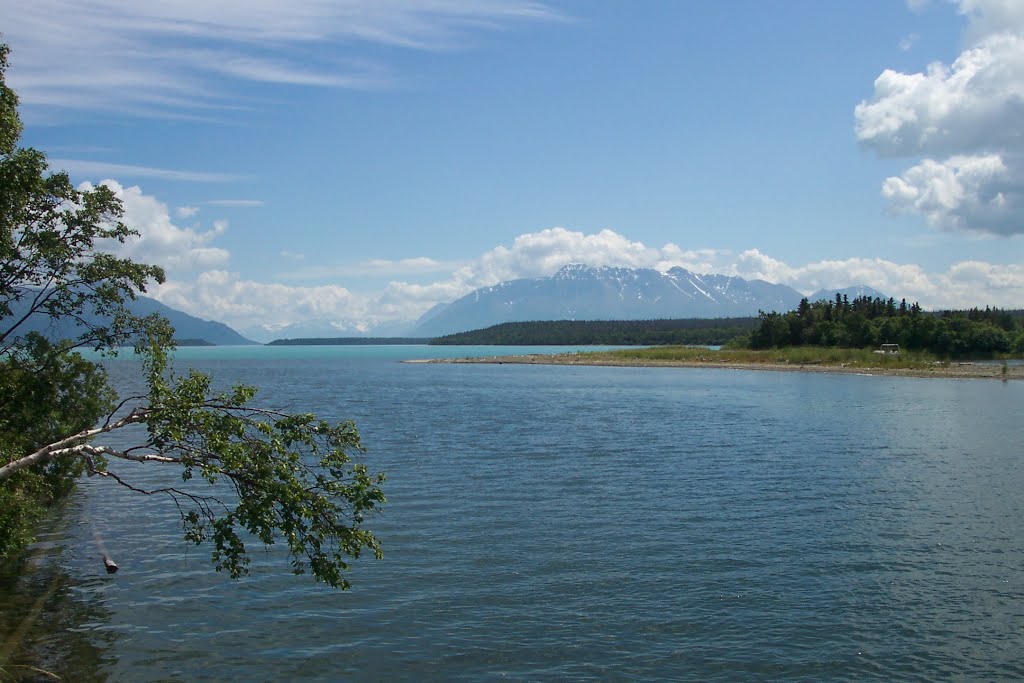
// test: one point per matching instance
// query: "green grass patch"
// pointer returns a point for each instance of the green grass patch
(794, 355)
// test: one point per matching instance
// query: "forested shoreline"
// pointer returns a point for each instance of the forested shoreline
(687, 331)
(862, 322)
(870, 322)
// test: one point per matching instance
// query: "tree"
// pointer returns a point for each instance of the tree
(245, 472)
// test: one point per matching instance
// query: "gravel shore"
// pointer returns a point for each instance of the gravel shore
(953, 370)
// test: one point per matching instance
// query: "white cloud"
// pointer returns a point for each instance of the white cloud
(541, 254)
(80, 167)
(962, 285)
(964, 121)
(908, 41)
(988, 17)
(156, 58)
(235, 202)
(244, 303)
(962, 193)
(976, 103)
(223, 295)
(888, 277)
(186, 211)
(160, 241)
(544, 252)
(419, 264)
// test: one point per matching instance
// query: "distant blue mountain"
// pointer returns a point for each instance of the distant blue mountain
(186, 327)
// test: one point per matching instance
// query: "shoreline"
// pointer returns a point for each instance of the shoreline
(965, 370)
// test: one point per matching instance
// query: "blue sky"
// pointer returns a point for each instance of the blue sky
(359, 161)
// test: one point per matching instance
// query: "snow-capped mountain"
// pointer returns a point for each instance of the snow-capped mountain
(327, 329)
(580, 292)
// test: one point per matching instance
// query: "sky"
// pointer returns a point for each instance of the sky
(359, 161)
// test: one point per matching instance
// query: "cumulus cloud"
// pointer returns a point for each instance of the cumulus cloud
(961, 193)
(975, 103)
(964, 121)
(223, 295)
(542, 253)
(242, 303)
(962, 285)
(160, 240)
(886, 276)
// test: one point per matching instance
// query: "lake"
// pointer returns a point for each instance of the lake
(580, 523)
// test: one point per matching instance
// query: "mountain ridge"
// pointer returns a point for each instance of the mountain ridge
(186, 327)
(581, 292)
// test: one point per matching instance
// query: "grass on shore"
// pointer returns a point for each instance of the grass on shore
(795, 355)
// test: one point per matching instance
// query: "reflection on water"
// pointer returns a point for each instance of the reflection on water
(571, 523)
(53, 618)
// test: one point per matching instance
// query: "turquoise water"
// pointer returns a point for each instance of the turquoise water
(396, 352)
(575, 523)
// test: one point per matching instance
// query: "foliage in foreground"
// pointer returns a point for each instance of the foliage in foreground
(245, 472)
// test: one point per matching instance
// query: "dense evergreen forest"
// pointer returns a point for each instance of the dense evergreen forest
(606, 332)
(866, 322)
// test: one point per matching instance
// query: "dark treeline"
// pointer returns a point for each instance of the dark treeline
(606, 332)
(866, 322)
(349, 341)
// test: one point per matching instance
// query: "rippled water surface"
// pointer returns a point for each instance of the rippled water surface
(575, 523)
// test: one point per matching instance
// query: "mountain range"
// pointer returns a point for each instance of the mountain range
(576, 292)
(186, 327)
(581, 292)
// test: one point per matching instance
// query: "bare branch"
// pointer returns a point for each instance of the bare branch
(70, 445)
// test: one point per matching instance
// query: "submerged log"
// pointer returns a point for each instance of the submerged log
(109, 565)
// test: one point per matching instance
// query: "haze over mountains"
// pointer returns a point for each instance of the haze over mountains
(186, 327)
(581, 292)
(576, 292)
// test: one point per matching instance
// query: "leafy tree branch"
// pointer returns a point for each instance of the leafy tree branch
(247, 473)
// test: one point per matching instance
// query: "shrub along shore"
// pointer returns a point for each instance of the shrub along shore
(792, 359)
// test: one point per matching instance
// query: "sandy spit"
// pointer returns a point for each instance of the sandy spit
(951, 371)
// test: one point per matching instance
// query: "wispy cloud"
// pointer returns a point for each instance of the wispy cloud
(143, 58)
(407, 267)
(235, 202)
(908, 41)
(97, 170)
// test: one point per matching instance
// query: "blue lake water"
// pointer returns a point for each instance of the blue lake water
(583, 523)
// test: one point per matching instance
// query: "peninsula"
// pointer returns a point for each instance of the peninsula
(839, 361)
